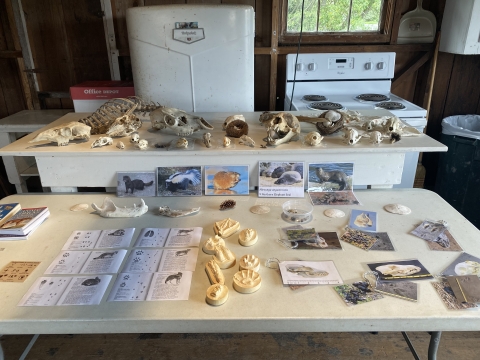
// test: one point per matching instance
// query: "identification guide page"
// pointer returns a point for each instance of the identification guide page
(87, 262)
(99, 239)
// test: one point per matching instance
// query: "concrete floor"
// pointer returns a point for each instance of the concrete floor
(304, 346)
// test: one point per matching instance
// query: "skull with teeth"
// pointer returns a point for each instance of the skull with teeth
(178, 121)
(102, 141)
(313, 138)
(393, 124)
(351, 136)
(281, 127)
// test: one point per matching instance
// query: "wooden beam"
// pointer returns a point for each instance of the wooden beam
(274, 53)
(10, 54)
(284, 50)
(411, 68)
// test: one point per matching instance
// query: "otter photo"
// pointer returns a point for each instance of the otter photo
(330, 177)
(226, 180)
(136, 184)
(179, 181)
(280, 179)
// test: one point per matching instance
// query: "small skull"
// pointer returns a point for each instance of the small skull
(182, 143)
(393, 124)
(102, 141)
(120, 145)
(207, 140)
(313, 138)
(142, 144)
(351, 136)
(134, 138)
(226, 141)
(229, 119)
(376, 137)
(246, 140)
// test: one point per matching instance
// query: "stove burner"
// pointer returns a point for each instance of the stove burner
(390, 105)
(325, 105)
(314, 98)
(372, 97)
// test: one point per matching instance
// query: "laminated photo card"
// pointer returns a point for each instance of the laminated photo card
(136, 184)
(280, 179)
(226, 180)
(363, 220)
(179, 181)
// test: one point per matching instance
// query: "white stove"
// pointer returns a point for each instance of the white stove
(350, 81)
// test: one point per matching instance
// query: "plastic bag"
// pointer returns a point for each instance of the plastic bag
(462, 125)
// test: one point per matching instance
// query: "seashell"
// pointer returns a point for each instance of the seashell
(224, 257)
(166, 211)
(228, 204)
(260, 209)
(217, 294)
(226, 227)
(334, 213)
(120, 145)
(237, 128)
(247, 237)
(109, 209)
(224, 180)
(249, 262)
(397, 209)
(79, 207)
(247, 281)
(214, 273)
(313, 138)
(210, 244)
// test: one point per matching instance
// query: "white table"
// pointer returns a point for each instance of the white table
(273, 308)
(67, 167)
(16, 125)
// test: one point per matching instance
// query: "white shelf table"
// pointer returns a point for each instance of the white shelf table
(273, 308)
(65, 168)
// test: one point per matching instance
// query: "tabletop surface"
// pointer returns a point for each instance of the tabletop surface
(273, 307)
(331, 144)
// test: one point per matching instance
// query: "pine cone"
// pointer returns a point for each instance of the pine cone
(228, 204)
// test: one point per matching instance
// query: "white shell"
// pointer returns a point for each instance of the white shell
(397, 209)
(334, 213)
(79, 207)
(260, 209)
(313, 138)
(120, 145)
(109, 209)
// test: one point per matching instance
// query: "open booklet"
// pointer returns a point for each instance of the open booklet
(165, 237)
(87, 262)
(151, 286)
(78, 290)
(153, 260)
(99, 239)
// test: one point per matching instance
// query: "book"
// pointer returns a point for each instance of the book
(23, 221)
(9, 237)
(7, 211)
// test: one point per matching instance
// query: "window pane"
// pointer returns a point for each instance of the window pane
(365, 15)
(310, 14)
(334, 15)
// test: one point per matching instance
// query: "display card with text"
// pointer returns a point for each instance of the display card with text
(280, 179)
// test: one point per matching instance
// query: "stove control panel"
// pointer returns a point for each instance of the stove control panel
(340, 63)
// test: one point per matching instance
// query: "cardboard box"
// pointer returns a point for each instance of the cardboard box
(90, 95)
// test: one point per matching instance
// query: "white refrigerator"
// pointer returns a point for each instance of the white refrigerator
(198, 58)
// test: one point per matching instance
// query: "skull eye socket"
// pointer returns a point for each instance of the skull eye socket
(183, 119)
(170, 120)
(277, 120)
(351, 141)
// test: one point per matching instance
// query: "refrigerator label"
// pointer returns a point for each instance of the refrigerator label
(188, 36)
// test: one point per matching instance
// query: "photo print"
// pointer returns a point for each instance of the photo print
(363, 220)
(437, 245)
(465, 264)
(400, 270)
(360, 239)
(179, 181)
(280, 179)
(226, 180)
(331, 184)
(327, 241)
(357, 293)
(136, 184)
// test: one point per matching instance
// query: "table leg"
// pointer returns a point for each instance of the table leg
(433, 346)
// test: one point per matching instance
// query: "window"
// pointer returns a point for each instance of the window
(326, 20)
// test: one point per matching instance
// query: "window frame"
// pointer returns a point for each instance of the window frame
(383, 36)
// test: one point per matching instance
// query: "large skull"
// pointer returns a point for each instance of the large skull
(281, 127)
(125, 125)
(62, 134)
(178, 121)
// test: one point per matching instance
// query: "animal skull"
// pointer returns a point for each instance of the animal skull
(393, 124)
(62, 134)
(229, 119)
(102, 141)
(142, 144)
(178, 121)
(246, 140)
(313, 138)
(125, 125)
(371, 124)
(120, 145)
(134, 138)
(376, 137)
(226, 141)
(281, 127)
(207, 140)
(351, 136)
(182, 143)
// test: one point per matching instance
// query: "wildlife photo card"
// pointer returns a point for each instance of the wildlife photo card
(331, 184)
(136, 184)
(400, 270)
(448, 297)
(280, 179)
(309, 273)
(465, 287)
(179, 181)
(430, 230)
(363, 220)
(226, 180)
(406, 290)
(465, 264)
(357, 293)
(360, 239)
(324, 241)
(445, 238)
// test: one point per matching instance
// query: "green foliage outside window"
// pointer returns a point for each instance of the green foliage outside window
(334, 15)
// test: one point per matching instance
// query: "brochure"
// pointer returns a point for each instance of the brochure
(152, 237)
(309, 273)
(99, 239)
(87, 262)
(184, 237)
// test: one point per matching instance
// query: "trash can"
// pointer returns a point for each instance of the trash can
(458, 176)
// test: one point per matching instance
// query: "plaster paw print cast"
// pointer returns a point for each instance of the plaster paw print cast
(249, 262)
(247, 281)
(248, 237)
